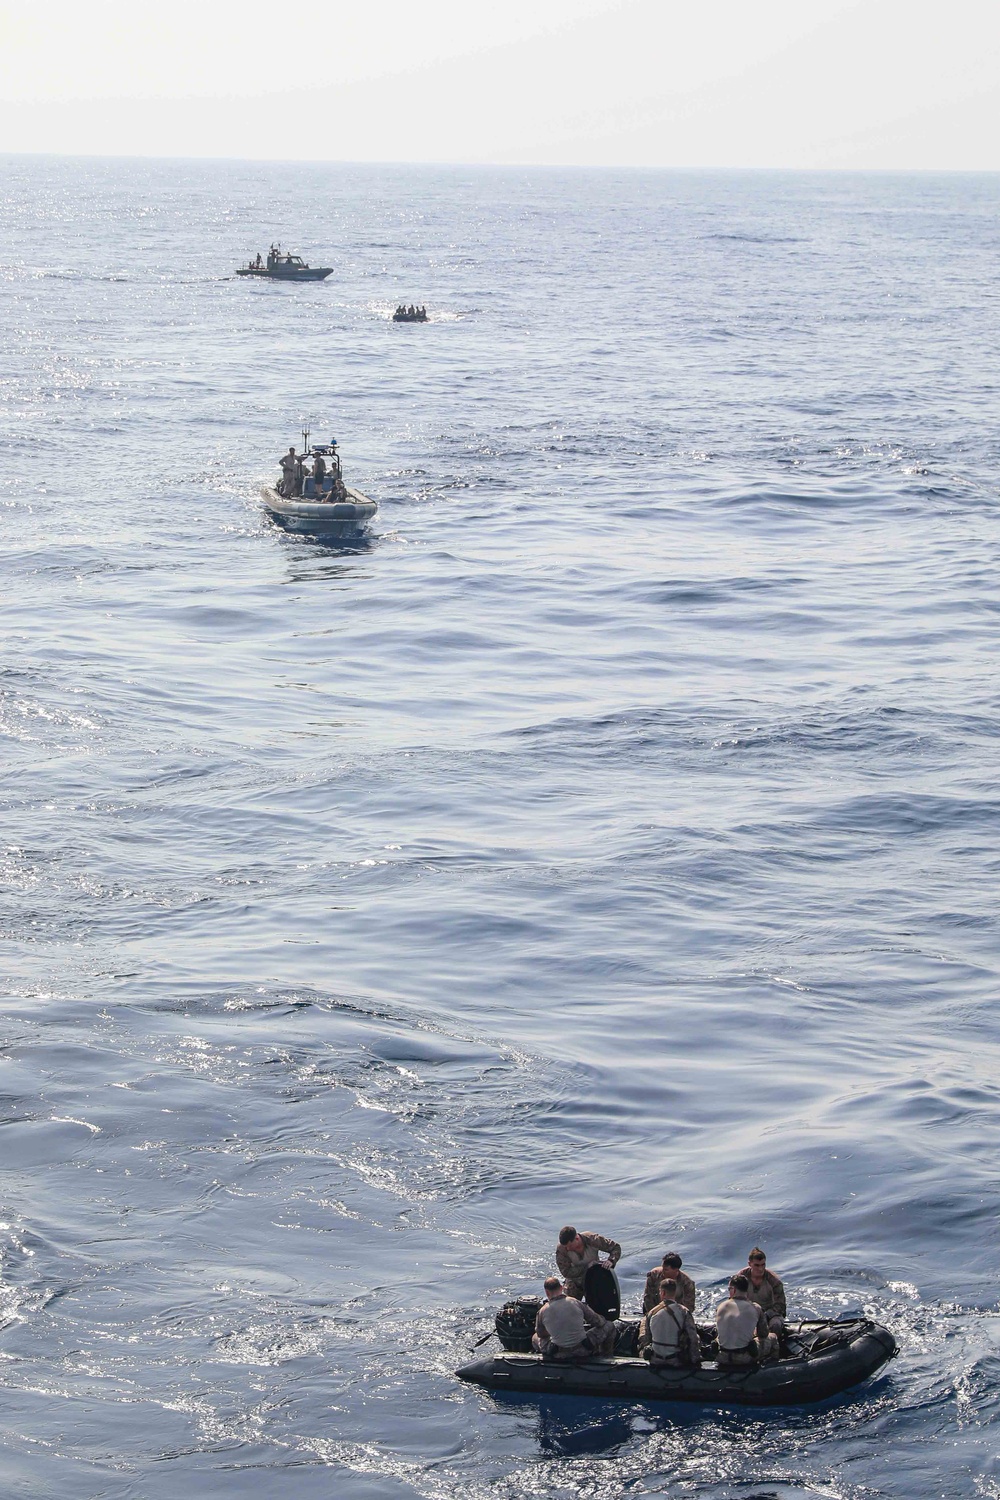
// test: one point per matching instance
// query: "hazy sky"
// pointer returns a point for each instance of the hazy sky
(716, 83)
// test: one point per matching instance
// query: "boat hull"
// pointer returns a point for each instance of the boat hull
(335, 516)
(787, 1382)
(301, 273)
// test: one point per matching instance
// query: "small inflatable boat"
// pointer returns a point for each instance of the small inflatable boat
(821, 1359)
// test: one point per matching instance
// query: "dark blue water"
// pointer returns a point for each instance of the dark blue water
(613, 839)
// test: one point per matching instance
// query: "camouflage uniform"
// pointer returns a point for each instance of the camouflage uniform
(770, 1298)
(685, 1288)
(573, 1268)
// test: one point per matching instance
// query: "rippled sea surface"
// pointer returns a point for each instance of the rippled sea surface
(613, 838)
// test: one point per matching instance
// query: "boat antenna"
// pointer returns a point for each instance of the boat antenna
(305, 440)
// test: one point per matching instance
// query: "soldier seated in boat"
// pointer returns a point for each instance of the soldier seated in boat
(667, 1334)
(766, 1290)
(576, 1253)
(741, 1328)
(670, 1266)
(566, 1328)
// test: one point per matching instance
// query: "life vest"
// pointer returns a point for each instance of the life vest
(665, 1329)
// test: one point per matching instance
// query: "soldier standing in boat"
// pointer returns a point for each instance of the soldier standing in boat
(576, 1253)
(291, 474)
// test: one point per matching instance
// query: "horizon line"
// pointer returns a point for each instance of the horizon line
(511, 166)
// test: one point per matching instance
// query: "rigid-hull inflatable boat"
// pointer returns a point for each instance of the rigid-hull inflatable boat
(320, 502)
(345, 514)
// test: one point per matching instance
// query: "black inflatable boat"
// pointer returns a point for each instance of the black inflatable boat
(821, 1359)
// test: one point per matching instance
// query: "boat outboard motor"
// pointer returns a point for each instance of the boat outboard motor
(516, 1323)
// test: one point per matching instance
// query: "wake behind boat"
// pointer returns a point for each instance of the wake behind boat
(312, 494)
(280, 266)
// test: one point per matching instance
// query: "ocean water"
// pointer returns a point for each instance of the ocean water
(613, 837)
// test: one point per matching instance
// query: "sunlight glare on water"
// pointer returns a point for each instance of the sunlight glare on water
(609, 838)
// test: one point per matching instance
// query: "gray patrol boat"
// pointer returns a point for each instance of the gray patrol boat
(280, 266)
